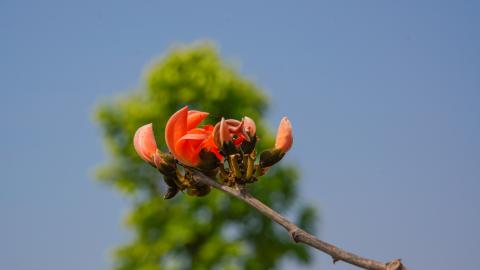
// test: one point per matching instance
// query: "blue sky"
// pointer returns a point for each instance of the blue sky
(383, 96)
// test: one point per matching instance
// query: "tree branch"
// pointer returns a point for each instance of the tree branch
(298, 235)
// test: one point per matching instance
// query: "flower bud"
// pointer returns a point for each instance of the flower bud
(165, 163)
(283, 143)
(144, 143)
(284, 139)
(172, 189)
(199, 190)
(209, 163)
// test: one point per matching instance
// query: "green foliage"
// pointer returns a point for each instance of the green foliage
(212, 232)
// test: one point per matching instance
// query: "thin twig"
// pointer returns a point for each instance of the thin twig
(298, 235)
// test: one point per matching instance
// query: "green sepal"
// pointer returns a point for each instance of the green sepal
(208, 161)
(173, 187)
(171, 192)
(270, 157)
(199, 190)
(248, 146)
(228, 149)
(165, 163)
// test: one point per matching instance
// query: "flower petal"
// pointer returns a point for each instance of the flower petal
(144, 142)
(249, 126)
(194, 136)
(188, 151)
(176, 128)
(224, 133)
(284, 139)
(194, 118)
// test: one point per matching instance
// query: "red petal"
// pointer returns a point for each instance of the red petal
(176, 127)
(194, 118)
(284, 139)
(144, 142)
(188, 151)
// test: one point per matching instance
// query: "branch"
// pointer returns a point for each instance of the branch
(298, 235)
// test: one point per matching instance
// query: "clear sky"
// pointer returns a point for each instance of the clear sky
(384, 97)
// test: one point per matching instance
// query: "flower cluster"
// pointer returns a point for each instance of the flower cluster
(226, 150)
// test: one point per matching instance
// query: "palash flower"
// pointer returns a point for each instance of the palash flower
(185, 140)
(209, 149)
(232, 130)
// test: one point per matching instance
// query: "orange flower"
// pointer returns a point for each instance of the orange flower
(284, 139)
(185, 140)
(144, 143)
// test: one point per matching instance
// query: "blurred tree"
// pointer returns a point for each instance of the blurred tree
(212, 232)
